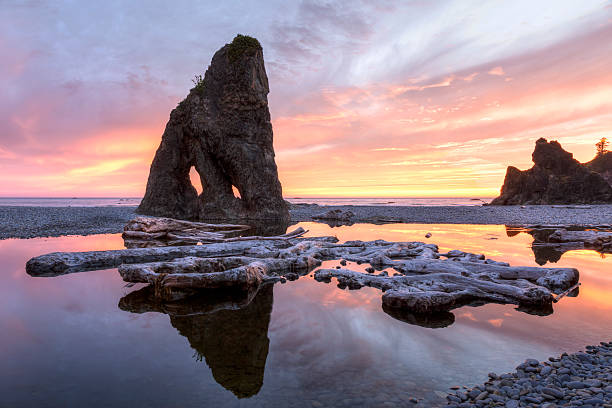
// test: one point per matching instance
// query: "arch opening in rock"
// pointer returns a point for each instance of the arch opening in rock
(236, 192)
(195, 179)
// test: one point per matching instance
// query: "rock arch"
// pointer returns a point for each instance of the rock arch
(223, 129)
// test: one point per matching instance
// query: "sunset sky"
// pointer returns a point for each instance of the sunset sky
(368, 98)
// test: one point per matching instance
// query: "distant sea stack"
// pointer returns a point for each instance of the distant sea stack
(602, 164)
(223, 130)
(555, 178)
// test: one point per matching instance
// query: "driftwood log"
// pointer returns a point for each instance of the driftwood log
(425, 280)
(193, 273)
(142, 232)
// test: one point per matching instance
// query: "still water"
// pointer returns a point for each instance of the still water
(87, 340)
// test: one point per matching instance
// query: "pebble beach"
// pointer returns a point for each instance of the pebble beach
(570, 380)
(31, 222)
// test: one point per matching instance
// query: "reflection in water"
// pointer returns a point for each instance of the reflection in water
(545, 251)
(228, 329)
(432, 321)
(327, 347)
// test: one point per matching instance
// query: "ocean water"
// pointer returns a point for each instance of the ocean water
(85, 339)
(131, 201)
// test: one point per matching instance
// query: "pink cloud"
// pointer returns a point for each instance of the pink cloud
(499, 71)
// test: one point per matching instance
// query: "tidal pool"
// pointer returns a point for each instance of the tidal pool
(87, 340)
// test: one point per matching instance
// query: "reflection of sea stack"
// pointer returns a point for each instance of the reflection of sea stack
(555, 178)
(230, 336)
(223, 130)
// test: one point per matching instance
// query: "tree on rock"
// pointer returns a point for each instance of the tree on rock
(602, 146)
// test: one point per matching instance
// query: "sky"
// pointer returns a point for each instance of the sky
(368, 98)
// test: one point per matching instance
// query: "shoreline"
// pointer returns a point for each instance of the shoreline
(34, 222)
(583, 378)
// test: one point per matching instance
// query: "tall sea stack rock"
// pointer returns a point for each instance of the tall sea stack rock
(555, 178)
(223, 130)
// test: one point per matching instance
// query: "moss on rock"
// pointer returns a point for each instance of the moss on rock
(240, 45)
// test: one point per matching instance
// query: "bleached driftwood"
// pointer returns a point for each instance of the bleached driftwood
(599, 240)
(59, 263)
(428, 284)
(438, 292)
(142, 232)
(426, 280)
(213, 273)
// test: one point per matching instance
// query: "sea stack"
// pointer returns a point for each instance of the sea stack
(555, 178)
(602, 164)
(223, 130)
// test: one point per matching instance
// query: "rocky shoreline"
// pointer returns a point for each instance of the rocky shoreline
(569, 380)
(31, 222)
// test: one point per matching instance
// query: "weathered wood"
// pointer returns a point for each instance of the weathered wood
(427, 281)
(566, 293)
(162, 224)
(59, 263)
(159, 231)
(213, 273)
(590, 239)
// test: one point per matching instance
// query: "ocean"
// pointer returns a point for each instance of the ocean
(132, 201)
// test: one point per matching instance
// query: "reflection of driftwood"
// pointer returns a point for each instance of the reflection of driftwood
(432, 320)
(550, 242)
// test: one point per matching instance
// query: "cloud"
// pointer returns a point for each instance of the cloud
(498, 71)
(87, 90)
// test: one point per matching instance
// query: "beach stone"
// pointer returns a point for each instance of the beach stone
(223, 130)
(553, 392)
(575, 385)
(555, 178)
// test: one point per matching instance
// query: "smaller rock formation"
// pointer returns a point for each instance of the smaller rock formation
(555, 178)
(602, 164)
(336, 218)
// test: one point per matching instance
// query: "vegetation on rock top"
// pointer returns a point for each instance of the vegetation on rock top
(241, 45)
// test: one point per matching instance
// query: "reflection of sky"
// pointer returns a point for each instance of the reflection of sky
(65, 342)
(429, 97)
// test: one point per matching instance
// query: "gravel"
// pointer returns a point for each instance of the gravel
(30, 222)
(531, 214)
(570, 380)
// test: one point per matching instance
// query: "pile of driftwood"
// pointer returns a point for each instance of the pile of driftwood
(144, 232)
(414, 276)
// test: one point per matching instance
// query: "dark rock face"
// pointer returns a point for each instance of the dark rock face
(223, 130)
(602, 164)
(555, 178)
